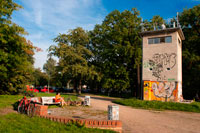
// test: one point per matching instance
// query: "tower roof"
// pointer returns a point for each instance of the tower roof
(163, 31)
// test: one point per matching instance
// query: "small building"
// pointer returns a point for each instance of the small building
(162, 64)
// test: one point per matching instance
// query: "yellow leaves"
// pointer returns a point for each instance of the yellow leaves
(29, 47)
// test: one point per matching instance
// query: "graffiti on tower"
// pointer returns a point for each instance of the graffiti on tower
(160, 62)
(162, 90)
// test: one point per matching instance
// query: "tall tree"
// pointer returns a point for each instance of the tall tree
(16, 53)
(117, 48)
(73, 56)
(39, 78)
(190, 22)
(157, 21)
(50, 68)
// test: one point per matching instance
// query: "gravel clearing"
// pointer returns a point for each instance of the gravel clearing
(150, 121)
(135, 120)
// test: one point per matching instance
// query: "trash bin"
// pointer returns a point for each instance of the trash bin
(113, 112)
(87, 101)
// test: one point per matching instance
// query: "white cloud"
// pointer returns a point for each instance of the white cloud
(38, 13)
(44, 19)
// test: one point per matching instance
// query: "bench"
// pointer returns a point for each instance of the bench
(49, 100)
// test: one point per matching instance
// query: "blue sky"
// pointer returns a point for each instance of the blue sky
(45, 19)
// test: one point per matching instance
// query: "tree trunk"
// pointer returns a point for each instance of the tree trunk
(68, 84)
(138, 82)
(75, 86)
(79, 88)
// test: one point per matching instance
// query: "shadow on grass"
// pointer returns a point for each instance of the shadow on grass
(15, 105)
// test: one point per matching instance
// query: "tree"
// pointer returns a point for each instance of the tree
(16, 53)
(157, 21)
(73, 56)
(116, 45)
(50, 69)
(39, 78)
(190, 22)
(50, 66)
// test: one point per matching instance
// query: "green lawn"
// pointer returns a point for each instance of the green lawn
(21, 123)
(158, 105)
(9, 100)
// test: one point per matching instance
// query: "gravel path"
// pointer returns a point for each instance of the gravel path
(149, 121)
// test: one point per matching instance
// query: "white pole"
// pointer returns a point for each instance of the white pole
(177, 20)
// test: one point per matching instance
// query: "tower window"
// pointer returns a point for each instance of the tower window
(168, 39)
(157, 40)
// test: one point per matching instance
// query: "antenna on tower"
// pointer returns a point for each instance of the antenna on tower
(177, 20)
(174, 25)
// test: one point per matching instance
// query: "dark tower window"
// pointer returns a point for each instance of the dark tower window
(157, 40)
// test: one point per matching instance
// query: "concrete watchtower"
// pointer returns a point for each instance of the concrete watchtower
(162, 64)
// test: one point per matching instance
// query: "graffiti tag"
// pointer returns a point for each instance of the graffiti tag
(163, 89)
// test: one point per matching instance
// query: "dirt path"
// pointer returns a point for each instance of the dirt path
(7, 110)
(149, 121)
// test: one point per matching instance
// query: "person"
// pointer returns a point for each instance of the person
(58, 98)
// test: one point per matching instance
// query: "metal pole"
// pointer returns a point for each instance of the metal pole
(177, 21)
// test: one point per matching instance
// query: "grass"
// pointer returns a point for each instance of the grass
(9, 100)
(158, 105)
(21, 123)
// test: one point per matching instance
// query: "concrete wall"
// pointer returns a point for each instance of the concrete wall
(159, 57)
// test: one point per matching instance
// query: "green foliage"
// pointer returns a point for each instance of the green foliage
(158, 105)
(189, 20)
(6, 9)
(22, 123)
(16, 53)
(157, 21)
(39, 78)
(74, 55)
(116, 45)
(50, 66)
(154, 24)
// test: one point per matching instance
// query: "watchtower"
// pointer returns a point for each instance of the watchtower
(162, 64)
